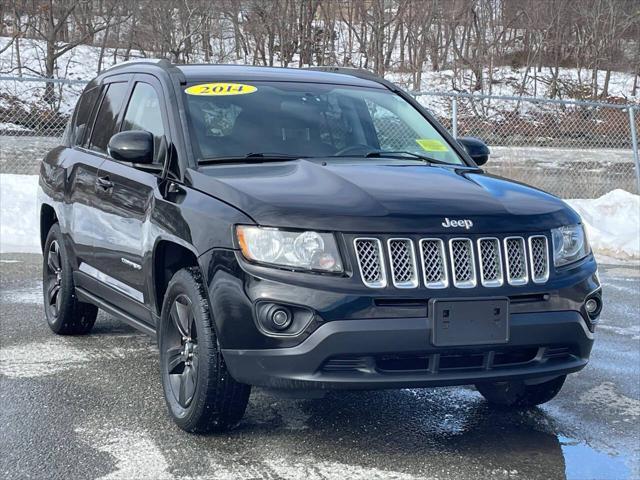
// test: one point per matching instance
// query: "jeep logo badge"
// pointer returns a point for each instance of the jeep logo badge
(457, 223)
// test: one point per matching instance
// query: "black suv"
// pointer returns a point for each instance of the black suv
(306, 230)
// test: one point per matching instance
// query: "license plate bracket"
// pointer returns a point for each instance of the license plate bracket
(462, 322)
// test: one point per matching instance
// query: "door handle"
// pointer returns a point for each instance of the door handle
(104, 183)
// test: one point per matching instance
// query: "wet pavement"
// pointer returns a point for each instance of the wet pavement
(92, 407)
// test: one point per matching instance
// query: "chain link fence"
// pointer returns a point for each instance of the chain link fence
(569, 148)
(33, 116)
(572, 149)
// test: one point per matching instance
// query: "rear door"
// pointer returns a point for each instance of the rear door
(126, 205)
(96, 115)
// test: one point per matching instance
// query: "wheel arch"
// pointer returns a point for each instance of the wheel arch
(48, 218)
(168, 258)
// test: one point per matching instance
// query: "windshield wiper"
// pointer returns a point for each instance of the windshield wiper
(269, 155)
(400, 153)
(253, 157)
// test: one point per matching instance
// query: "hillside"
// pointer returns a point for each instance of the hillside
(22, 104)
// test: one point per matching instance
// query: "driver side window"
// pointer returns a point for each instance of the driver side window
(144, 113)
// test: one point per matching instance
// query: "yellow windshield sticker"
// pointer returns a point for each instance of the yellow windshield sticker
(432, 145)
(218, 89)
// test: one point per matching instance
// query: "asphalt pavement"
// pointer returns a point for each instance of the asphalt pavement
(92, 407)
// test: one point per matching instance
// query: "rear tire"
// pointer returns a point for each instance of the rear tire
(201, 394)
(520, 395)
(65, 314)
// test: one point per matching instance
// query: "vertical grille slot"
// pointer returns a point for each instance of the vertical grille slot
(539, 258)
(516, 260)
(402, 257)
(434, 270)
(512, 260)
(370, 262)
(490, 262)
(462, 262)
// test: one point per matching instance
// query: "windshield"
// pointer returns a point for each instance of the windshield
(280, 119)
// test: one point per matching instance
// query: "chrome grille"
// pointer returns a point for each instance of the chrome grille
(462, 262)
(434, 271)
(403, 263)
(490, 262)
(511, 260)
(516, 260)
(539, 258)
(369, 252)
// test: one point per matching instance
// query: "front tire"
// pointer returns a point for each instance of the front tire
(519, 394)
(200, 393)
(65, 314)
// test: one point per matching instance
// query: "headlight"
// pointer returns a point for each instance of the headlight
(303, 250)
(569, 244)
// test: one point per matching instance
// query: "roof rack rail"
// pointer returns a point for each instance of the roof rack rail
(355, 72)
(161, 62)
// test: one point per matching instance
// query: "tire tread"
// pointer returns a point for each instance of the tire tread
(74, 317)
(220, 406)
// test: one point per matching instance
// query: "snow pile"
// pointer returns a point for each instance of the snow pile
(613, 223)
(13, 126)
(19, 219)
(613, 220)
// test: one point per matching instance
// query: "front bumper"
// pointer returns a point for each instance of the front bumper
(359, 338)
(396, 353)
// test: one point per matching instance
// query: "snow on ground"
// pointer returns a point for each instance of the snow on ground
(81, 63)
(612, 221)
(19, 219)
(507, 81)
(13, 126)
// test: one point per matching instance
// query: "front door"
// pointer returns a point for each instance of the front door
(127, 195)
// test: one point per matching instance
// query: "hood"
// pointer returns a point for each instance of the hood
(376, 197)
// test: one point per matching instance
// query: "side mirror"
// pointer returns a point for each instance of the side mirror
(476, 148)
(135, 146)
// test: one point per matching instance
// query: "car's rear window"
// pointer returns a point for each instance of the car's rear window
(305, 119)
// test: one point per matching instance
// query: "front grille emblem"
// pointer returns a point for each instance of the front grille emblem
(460, 223)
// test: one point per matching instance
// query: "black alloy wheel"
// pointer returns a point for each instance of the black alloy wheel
(201, 394)
(65, 314)
(181, 351)
(54, 279)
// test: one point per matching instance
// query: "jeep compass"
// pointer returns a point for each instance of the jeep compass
(305, 231)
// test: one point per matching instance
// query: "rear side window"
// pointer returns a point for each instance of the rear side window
(83, 115)
(143, 113)
(105, 123)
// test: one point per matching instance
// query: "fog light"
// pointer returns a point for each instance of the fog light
(281, 319)
(591, 306)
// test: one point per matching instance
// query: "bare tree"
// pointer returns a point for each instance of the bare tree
(53, 30)
(472, 38)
